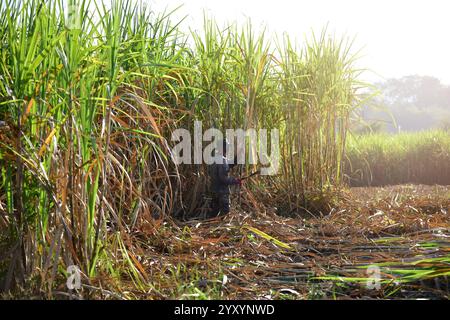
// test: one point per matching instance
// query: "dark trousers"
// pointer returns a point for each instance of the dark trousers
(220, 204)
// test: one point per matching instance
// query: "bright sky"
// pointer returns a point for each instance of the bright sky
(398, 37)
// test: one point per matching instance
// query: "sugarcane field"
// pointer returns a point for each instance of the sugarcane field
(210, 150)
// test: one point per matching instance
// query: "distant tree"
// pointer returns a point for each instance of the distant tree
(414, 102)
(445, 125)
(369, 127)
(421, 91)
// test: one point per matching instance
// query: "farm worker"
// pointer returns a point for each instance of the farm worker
(220, 183)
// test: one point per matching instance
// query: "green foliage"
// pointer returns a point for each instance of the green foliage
(385, 159)
(90, 104)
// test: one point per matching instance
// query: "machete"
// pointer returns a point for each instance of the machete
(251, 174)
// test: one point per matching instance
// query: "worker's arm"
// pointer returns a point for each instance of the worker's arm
(224, 178)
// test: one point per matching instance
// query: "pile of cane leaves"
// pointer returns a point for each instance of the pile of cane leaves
(402, 231)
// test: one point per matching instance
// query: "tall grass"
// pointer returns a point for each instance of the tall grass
(86, 105)
(90, 104)
(386, 159)
(318, 92)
